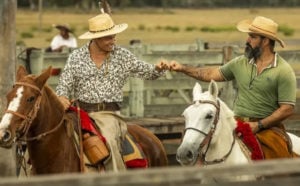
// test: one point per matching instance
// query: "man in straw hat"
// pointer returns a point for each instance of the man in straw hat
(62, 40)
(266, 84)
(95, 75)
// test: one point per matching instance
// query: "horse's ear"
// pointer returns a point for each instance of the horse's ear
(21, 72)
(197, 90)
(43, 77)
(213, 89)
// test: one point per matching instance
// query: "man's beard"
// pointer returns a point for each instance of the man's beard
(252, 52)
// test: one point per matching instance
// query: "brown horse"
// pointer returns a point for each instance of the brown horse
(34, 114)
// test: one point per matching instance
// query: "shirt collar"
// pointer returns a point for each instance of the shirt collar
(252, 61)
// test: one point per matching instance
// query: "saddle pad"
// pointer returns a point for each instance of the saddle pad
(131, 150)
(133, 155)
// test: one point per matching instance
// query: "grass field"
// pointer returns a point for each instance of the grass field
(155, 26)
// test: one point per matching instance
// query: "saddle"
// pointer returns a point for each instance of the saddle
(97, 150)
(266, 144)
(275, 143)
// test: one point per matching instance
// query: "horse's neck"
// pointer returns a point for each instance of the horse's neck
(224, 138)
(50, 105)
(46, 153)
(50, 113)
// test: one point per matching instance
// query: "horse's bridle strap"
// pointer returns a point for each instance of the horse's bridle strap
(32, 114)
(29, 85)
(16, 113)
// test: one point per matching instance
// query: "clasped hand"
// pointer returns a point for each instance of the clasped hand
(165, 65)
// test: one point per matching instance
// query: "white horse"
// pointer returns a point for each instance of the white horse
(209, 132)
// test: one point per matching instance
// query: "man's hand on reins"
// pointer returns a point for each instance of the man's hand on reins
(65, 101)
(254, 126)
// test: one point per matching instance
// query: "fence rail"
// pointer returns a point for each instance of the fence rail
(275, 172)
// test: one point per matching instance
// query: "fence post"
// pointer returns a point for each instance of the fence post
(136, 88)
(7, 70)
(229, 89)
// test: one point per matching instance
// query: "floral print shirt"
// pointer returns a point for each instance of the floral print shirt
(82, 80)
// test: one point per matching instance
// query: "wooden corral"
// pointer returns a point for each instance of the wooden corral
(275, 173)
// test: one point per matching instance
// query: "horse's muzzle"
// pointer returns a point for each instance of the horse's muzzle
(5, 139)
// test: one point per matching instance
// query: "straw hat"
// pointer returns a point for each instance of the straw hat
(102, 25)
(262, 26)
(63, 26)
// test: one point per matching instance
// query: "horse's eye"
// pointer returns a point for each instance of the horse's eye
(209, 116)
(30, 99)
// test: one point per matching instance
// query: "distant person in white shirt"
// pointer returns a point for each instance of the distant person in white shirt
(63, 40)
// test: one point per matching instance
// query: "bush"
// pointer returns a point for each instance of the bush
(190, 28)
(217, 29)
(172, 28)
(142, 27)
(287, 31)
(26, 35)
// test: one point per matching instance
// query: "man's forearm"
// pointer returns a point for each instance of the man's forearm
(278, 116)
(203, 74)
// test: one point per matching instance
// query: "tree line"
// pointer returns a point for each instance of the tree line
(33, 4)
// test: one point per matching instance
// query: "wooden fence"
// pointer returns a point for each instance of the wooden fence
(272, 172)
(169, 95)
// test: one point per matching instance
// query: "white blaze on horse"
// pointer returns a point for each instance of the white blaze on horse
(209, 135)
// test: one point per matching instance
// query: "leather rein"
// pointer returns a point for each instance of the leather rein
(27, 119)
(208, 136)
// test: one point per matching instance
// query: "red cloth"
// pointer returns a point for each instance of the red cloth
(87, 123)
(137, 163)
(245, 133)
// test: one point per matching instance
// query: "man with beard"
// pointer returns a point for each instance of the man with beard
(266, 85)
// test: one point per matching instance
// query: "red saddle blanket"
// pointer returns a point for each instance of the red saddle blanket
(132, 157)
(245, 133)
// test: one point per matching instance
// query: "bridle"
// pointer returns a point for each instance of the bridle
(208, 136)
(24, 126)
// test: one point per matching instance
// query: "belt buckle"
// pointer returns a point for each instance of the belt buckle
(246, 119)
(101, 106)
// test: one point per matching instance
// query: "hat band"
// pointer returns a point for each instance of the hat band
(103, 30)
(263, 29)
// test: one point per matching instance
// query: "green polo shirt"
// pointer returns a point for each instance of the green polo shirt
(259, 96)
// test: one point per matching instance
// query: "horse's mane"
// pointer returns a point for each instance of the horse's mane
(226, 112)
(52, 96)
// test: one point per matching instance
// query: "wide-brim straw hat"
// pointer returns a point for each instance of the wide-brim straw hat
(261, 26)
(102, 25)
(62, 26)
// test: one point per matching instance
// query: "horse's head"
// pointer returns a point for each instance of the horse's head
(22, 105)
(201, 119)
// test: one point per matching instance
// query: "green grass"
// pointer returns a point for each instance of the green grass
(158, 26)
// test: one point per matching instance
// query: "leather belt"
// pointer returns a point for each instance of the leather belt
(96, 107)
(245, 119)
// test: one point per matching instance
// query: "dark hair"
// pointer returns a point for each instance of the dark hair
(271, 41)
(272, 44)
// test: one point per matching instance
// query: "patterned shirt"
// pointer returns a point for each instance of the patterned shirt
(82, 80)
